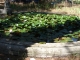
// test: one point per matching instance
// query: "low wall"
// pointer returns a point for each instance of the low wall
(3, 11)
(53, 49)
(39, 50)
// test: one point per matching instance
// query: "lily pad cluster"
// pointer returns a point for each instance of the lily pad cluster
(39, 27)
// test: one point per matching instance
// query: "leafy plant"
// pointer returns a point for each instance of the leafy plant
(42, 26)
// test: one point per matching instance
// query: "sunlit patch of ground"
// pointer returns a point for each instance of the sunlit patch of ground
(74, 10)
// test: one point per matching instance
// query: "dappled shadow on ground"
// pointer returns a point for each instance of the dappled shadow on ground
(38, 5)
(9, 57)
(13, 50)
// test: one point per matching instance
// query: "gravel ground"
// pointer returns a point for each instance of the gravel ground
(74, 10)
(6, 57)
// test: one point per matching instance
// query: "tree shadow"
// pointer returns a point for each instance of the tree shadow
(37, 5)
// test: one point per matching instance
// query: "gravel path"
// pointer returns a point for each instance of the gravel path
(72, 57)
(74, 10)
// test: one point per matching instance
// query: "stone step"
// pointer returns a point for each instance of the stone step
(51, 52)
(49, 45)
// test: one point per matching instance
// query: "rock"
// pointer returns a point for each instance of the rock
(32, 58)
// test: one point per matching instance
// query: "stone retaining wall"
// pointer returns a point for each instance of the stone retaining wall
(39, 50)
(53, 49)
